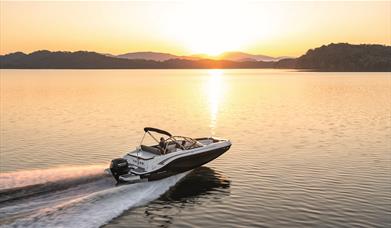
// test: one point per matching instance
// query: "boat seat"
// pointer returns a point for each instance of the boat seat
(171, 148)
(150, 149)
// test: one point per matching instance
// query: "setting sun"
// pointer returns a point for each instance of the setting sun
(215, 27)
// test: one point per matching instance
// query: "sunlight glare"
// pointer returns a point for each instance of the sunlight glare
(214, 91)
(214, 27)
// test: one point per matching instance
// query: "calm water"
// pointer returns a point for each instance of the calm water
(309, 149)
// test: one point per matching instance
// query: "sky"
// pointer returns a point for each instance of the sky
(185, 27)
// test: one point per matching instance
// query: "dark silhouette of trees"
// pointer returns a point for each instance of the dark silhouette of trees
(91, 60)
(333, 57)
(347, 57)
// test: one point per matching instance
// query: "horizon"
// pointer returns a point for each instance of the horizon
(191, 28)
(151, 51)
(220, 56)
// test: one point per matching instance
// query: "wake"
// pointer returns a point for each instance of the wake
(71, 197)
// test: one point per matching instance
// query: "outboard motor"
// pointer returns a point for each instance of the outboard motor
(118, 167)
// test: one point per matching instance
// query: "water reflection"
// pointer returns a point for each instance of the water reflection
(202, 181)
(201, 187)
(214, 91)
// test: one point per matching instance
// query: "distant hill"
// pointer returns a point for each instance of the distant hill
(92, 60)
(69, 60)
(333, 57)
(156, 56)
(347, 57)
(239, 57)
(232, 56)
(243, 57)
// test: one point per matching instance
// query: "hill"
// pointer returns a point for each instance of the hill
(68, 60)
(347, 57)
(91, 60)
(231, 56)
(244, 57)
(156, 56)
(333, 57)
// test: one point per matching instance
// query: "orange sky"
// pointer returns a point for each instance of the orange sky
(275, 28)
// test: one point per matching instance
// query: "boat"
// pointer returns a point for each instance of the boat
(170, 156)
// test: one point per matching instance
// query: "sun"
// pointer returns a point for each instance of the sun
(213, 27)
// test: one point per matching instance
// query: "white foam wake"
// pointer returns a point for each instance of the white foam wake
(92, 209)
(33, 177)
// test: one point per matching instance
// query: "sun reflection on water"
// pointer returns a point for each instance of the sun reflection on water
(214, 91)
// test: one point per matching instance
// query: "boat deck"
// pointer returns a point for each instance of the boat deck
(142, 154)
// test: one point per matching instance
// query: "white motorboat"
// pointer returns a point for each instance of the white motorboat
(170, 156)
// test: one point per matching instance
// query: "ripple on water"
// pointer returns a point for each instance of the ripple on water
(309, 149)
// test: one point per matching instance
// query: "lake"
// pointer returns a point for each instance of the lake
(309, 148)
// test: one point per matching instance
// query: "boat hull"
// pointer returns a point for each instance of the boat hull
(183, 164)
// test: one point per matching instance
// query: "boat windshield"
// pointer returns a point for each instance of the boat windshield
(184, 143)
(171, 144)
